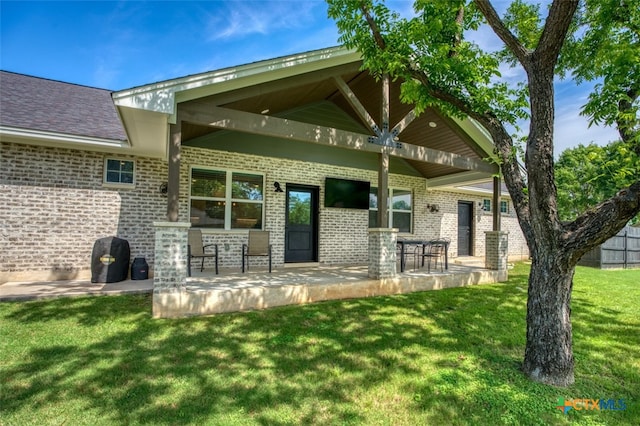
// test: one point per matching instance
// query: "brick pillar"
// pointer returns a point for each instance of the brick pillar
(170, 263)
(382, 252)
(496, 250)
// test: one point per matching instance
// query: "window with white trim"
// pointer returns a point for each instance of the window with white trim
(486, 205)
(225, 199)
(504, 206)
(119, 172)
(400, 213)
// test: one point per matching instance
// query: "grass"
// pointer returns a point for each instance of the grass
(447, 357)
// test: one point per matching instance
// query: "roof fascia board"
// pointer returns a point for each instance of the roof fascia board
(476, 191)
(19, 134)
(163, 96)
(478, 133)
(457, 179)
(462, 183)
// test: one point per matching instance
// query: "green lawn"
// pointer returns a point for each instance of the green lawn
(435, 358)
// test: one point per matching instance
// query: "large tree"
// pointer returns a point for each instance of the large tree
(435, 56)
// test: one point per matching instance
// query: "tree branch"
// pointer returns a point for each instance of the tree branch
(555, 31)
(457, 38)
(375, 30)
(510, 170)
(510, 40)
(600, 223)
(503, 143)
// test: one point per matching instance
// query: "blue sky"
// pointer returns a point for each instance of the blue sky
(119, 45)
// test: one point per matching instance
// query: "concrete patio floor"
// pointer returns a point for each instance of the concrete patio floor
(232, 291)
(32, 290)
(206, 293)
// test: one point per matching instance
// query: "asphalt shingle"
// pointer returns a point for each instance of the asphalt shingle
(51, 106)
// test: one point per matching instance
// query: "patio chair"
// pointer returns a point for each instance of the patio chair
(196, 250)
(258, 245)
(434, 250)
(400, 248)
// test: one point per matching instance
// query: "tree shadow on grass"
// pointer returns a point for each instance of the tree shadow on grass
(449, 356)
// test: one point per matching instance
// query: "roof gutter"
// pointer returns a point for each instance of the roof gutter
(39, 137)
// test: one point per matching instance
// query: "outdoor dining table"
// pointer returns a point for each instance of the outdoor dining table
(424, 243)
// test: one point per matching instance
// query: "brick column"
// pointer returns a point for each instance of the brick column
(496, 250)
(170, 263)
(382, 252)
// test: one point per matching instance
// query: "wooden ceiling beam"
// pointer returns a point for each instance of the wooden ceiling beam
(224, 118)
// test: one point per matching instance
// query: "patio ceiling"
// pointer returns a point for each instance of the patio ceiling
(454, 151)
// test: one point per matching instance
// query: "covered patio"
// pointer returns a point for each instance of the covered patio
(319, 115)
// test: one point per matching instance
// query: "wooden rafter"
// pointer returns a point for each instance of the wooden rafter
(356, 105)
(404, 123)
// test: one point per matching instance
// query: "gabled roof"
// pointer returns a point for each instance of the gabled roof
(163, 96)
(56, 109)
(276, 87)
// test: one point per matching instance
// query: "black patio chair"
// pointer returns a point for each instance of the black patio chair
(433, 251)
(406, 249)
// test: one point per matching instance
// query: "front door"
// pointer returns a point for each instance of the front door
(301, 228)
(465, 235)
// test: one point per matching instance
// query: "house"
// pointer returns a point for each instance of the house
(269, 145)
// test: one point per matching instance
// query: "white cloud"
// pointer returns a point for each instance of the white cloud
(243, 18)
(572, 129)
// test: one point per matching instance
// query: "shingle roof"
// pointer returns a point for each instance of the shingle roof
(33, 103)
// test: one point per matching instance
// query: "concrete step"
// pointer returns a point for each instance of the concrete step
(475, 261)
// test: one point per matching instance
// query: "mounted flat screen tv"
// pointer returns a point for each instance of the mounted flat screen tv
(346, 194)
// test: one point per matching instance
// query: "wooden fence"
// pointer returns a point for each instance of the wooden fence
(620, 251)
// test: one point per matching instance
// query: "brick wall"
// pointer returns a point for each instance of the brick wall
(496, 250)
(54, 207)
(444, 222)
(343, 232)
(171, 242)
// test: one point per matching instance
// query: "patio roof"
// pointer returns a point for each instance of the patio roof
(314, 91)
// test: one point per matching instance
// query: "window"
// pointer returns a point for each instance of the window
(226, 200)
(400, 213)
(486, 205)
(504, 206)
(119, 172)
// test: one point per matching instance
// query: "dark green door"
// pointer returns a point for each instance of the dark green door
(301, 230)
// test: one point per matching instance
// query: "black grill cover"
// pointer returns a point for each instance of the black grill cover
(139, 269)
(110, 260)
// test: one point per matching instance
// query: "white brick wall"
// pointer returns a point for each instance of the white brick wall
(54, 207)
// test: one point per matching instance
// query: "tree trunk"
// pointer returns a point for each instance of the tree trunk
(548, 354)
